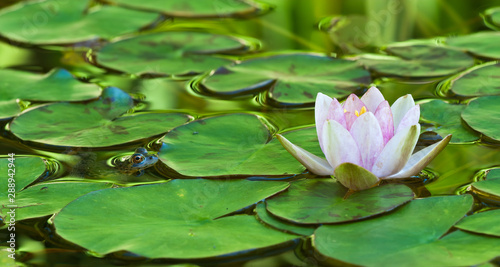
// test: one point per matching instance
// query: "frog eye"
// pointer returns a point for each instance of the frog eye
(137, 158)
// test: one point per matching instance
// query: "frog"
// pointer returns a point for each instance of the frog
(137, 162)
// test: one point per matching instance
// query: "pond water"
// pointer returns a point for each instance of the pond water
(184, 84)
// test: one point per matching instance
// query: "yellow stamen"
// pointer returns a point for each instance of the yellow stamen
(363, 110)
(345, 110)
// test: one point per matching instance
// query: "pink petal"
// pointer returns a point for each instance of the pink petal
(351, 105)
(336, 113)
(410, 118)
(422, 158)
(320, 113)
(400, 107)
(396, 152)
(384, 118)
(312, 162)
(368, 136)
(372, 98)
(339, 145)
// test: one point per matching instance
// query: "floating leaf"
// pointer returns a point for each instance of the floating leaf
(269, 219)
(317, 201)
(491, 18)
(488, 189)
(25, 171)
(189, 227)
(483, 223)
(483, 44)
(445, 119)
(478, 81)
(173, 53)
(483, 115)
(194, 8)
(61, 22)
(293, 78)
(57, 85)
(417, 60)
(409, 236)
(95, 124)
(235, 144)
(47, 198)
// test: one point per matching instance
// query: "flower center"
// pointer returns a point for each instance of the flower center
(358, 113)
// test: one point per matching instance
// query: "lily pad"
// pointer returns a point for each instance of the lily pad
(189, 227)
(269, 219)
(445, 119)
(488, 189)
(194, 8)
(402, 238)
(25, 170)
(61, 22)
(481, 80)
(483, 44)
(95, 124)
(491, 18)
(483, 115)
(483, 223)
(235, 144)
(57, 85)
(292, 78)
(317, 201)
(172, 53)
(417, 60)
(47, 198)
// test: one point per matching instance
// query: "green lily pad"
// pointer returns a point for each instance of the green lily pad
(483, 223)
(235, 144)
(483, 44)
(25, 170)
(489, 188)
(483, 115)
(292, 78)
(194, 8)
(47, 198)
(269, 219)
(491, 18)
(317, 201)
(57, 85)
(7, 258)
(445, 119)
(410, 236)
(189, 227)
(61, 22)
(95, 124)
(417, 60)
(173, 53)
(481, 80)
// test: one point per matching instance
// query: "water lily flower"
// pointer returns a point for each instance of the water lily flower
(366, 140)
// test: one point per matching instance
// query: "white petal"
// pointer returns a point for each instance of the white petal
(372, 98)
(396, 152)
(411, 118)
(422, 158)
(312, 162)
(320, 114)
(368, 136)
(400, 107)
(339, 145)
